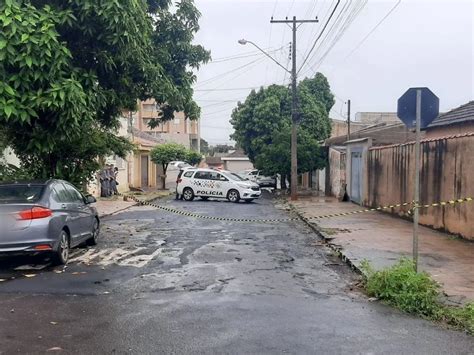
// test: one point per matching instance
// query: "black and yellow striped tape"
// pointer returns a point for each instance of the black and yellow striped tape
(280, 220)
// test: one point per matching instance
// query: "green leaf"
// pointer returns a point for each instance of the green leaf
(3, 44)
(28, 61)
(9, 90)
(8, 111)
(24, 37)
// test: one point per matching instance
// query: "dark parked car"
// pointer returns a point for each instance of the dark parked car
(45, 217)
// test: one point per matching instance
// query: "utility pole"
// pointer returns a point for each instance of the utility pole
(348, 120)
(294, 106)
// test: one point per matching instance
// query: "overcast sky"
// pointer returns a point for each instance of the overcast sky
(421, 43)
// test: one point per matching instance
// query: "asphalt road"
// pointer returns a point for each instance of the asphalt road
(163, 283)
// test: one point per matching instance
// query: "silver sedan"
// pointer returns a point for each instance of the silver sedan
(45, 217)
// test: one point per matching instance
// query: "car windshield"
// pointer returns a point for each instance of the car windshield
(235, 177)
(20, 193)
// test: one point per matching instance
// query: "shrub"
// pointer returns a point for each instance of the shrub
(417, 293)
(400, 286)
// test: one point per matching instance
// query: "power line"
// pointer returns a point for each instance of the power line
(216, 112)
(217, 100)
(319, 36)
(221, 103)
(345, 24)
(270, 37)
(235, 57)
(314, 29)
(234, 77)
(231, 89)
(373, 29)
(212, 79)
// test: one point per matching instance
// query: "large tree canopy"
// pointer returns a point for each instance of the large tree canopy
(262, 125)
(69, 67)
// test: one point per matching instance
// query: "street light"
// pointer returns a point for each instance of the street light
(244, 42)
(294, 113)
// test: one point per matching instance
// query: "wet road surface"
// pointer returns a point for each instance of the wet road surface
(164, 283)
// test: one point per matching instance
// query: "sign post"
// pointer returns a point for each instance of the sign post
(417, 108)
(416, 212)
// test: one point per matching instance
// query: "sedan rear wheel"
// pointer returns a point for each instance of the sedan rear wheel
(61, 255)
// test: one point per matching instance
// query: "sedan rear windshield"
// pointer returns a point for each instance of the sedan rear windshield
(20, 193)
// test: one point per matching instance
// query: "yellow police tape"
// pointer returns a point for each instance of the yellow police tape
(280, 220)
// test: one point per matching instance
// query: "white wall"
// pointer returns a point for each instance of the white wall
(237, 165)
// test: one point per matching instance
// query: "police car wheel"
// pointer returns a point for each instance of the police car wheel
(188, 194)
(233, 196)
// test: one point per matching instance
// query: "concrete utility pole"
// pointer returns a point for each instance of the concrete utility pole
(294, 106)
(348, 120)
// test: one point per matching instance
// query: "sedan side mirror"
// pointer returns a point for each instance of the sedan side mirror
(90, 199)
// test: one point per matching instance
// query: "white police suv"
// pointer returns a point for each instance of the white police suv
(206, 183)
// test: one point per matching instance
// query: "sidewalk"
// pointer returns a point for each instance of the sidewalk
(114, 204)
(383, 239)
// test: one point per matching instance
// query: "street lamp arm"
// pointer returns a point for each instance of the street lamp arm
(243, 42)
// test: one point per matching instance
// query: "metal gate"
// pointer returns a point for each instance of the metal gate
(356, 176)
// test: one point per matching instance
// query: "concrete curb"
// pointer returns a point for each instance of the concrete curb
(327, 239)
(133, 205)
(117, 211)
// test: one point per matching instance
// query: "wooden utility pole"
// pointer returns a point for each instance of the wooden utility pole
(294, 106)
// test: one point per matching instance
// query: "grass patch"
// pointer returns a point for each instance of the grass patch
(415, 293)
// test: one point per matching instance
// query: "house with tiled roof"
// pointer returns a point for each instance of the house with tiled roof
(237, 161)
(454, 122)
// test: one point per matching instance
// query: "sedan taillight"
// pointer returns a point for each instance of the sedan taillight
(35, 213)
(179, 180)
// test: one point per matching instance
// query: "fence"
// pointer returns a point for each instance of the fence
(447, 172)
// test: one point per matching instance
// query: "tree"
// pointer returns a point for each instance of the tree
(262, 125)
(163, 154)
(275, 158)
(193, 157)
(220, 148)
(319, 88)
(204, 146)
(172, 40)
(69, 68)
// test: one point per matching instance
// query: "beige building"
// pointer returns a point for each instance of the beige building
(339, 127)
(179, 130)
(137, 171)
(455, 122)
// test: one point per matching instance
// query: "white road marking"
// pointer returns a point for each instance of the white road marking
(118, 256)
(140, 260)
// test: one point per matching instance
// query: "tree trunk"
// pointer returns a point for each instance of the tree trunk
(163, 178)
(283, 181)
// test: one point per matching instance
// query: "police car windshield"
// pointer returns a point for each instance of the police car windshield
(234, 177)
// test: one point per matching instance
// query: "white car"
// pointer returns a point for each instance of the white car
(205, 183)
(256, 176)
